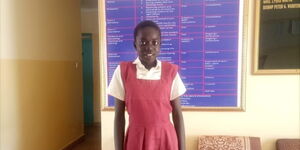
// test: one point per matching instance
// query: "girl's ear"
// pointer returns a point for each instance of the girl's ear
(134, 44)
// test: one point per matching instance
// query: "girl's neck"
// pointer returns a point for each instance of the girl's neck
(150, 65)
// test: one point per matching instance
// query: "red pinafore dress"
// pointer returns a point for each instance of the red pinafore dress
(148, 105)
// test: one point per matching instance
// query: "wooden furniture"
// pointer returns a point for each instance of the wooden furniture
(225, 142)
(288, 144)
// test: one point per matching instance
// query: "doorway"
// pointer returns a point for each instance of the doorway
(87, 70)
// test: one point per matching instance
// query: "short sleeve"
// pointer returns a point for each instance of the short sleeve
(116, 86)
(177, 88)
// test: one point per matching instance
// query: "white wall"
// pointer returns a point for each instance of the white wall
(272, 109)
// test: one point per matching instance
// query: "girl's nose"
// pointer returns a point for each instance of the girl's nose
(149, 48)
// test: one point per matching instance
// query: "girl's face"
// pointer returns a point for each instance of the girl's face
(147, 45)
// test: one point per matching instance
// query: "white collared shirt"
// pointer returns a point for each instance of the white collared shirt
(116, 86)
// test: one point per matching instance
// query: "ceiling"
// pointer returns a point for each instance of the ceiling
(92, 4)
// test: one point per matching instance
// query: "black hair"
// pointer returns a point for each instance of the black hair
(144, 24)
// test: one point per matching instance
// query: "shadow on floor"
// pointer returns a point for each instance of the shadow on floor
(92, 140)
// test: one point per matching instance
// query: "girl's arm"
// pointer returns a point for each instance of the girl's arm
(178, 122)
(119, 124)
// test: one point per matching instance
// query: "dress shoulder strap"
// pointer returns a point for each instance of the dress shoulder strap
(125, 67)
(170, 70)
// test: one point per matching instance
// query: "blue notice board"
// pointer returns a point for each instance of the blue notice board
(203, 37)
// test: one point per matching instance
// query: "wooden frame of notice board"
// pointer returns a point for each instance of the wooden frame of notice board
(242, 46)
(276, 36)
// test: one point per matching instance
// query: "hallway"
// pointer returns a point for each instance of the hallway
(92, 139)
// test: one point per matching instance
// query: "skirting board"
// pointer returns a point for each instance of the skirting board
(74, 143)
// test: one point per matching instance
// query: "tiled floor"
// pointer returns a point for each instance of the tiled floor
(92, 139)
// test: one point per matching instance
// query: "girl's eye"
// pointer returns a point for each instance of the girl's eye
(143, 43)
(155, 43)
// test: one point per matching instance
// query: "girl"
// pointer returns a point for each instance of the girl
(150, 90)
